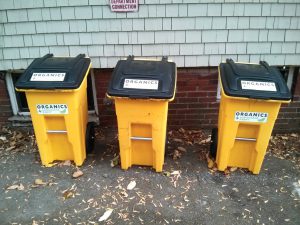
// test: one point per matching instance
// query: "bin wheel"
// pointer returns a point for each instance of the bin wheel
(90, 137)
(214, 142)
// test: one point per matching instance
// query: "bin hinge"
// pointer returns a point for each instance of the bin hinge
(245, 139)
(57, 131)
(141, 138)
(130, 57)
(164, 58)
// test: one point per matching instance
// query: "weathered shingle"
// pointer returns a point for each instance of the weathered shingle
(17, 15)
(85, 38)
(194, 32)
(67, 13)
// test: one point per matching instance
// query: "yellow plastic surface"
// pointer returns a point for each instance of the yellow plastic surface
(146, 119)
(244, 154)
(60, 146)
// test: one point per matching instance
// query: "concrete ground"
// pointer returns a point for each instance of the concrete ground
(187, 192)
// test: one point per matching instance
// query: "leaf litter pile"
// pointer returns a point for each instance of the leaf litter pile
(182, 139)
(286, 146)
(13, 141)
(113, 196)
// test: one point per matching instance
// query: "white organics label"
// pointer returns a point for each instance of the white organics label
(52, 109)
(141, 84)
(124, 5)
(258, 117)
(258, 86)
(48, 77)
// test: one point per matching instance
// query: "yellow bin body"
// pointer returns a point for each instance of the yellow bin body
(239, 153)
(142, 131)
(244, 144)
(60, 136)
(142, 90)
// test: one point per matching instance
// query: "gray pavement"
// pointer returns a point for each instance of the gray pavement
(192, 194)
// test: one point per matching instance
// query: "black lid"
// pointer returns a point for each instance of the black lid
(51, 72)
(257, 81)
(143, 79)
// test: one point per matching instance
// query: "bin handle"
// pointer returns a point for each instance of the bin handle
(265, 64)
(78, 57)
(130, 58)
(245, 139)
(40, 60)
(49, 55)
(232, 65)
(57, 131)
(141, 138)
(164, 58)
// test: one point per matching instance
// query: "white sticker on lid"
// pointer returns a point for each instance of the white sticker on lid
(141, 84)
(258, 117)
(48, 77)
(46, 109)
(258, 85)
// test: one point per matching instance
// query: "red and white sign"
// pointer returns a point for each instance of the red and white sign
(124, 5)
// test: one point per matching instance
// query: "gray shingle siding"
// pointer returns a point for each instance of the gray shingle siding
(192, 32)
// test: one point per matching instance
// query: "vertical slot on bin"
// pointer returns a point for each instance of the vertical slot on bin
(244, 145)
(141, 144)
(58, 137)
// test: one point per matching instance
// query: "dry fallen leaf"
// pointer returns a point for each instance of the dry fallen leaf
(3, 138)
(124, 194)
(176, 172)
(67, 163)
(19, 187)
(181, 149)
(166, 173)
(35, 223)
(210, 162)
(131, 185)
(176, 155)
(77, 173)
(68, 194)
(115, 161)
(13, 144)
(232, 169)
(181, 130)
(106, 215)
(177, 140)
(185, 198)
(226, 171)
(207, 140)
(50, 164)
(189, 143)
(13, 187)
(235, 189)
(294, 135)
(39, 182)
(10, 148)
(19, 136)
